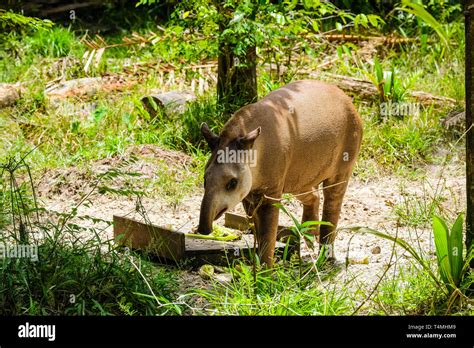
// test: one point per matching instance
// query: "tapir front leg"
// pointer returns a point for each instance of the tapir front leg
(266, 225)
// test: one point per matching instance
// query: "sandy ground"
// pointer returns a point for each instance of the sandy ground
(370, 203)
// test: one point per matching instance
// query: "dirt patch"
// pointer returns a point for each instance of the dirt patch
(143, 160)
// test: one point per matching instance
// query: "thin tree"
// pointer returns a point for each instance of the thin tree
(236, 71)
(469, 34)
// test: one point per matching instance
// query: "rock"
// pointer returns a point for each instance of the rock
(376, 250)
(170, 102)
(8, 94)
(224, 278)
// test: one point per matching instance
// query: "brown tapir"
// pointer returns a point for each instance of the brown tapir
(298, 136)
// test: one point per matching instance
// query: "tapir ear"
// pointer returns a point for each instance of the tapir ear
(246, 142)
(211, 138)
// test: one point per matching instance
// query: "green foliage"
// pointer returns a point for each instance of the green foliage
(420, 11)
(450, 252)
(289, 36)
(76, 272)
(389, 84)
(400, 143)
(417, 210)
(56, 42)
(281, 291)
(17, 199)
(275, 28)
(410, 292)
(81, 280)
(14, 25)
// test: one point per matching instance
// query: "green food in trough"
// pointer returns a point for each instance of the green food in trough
(219, 233)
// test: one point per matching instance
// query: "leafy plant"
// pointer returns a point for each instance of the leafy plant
(388, 82)
(419, 11)
(449, 252)
(75, 275)
(55, 42)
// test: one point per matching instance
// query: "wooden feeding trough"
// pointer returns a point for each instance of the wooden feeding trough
(169, 245)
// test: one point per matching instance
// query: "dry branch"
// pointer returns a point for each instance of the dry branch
(384, 40)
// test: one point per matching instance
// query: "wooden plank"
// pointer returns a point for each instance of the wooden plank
(236, 221)
(199, 246)
(201, 251)
(160, 241)
(171, 245)
(241, 222)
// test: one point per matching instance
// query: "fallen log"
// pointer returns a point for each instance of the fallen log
(86, 86)
(390, 40)
(366, 89)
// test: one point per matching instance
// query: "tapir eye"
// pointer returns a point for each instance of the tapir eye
(232, 184)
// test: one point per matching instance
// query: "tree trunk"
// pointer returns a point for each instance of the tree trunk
(236, 77)
(469, 12)
(236, 85)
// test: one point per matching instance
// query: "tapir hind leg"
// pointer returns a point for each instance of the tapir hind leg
(311, 203)
(334, 190)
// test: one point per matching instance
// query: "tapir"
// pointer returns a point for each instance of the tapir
(301, 135)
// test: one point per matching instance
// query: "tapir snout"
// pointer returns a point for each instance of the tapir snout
(228, 177)
(209, 212)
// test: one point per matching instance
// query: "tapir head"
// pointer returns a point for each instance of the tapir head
(227, 177)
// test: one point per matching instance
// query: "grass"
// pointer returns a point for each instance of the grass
(412, 292)
(416, 210)
(80, 279)
(282, 291)
(75, 271)
(409, 292)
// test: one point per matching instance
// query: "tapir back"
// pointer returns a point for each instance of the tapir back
(310, 132)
